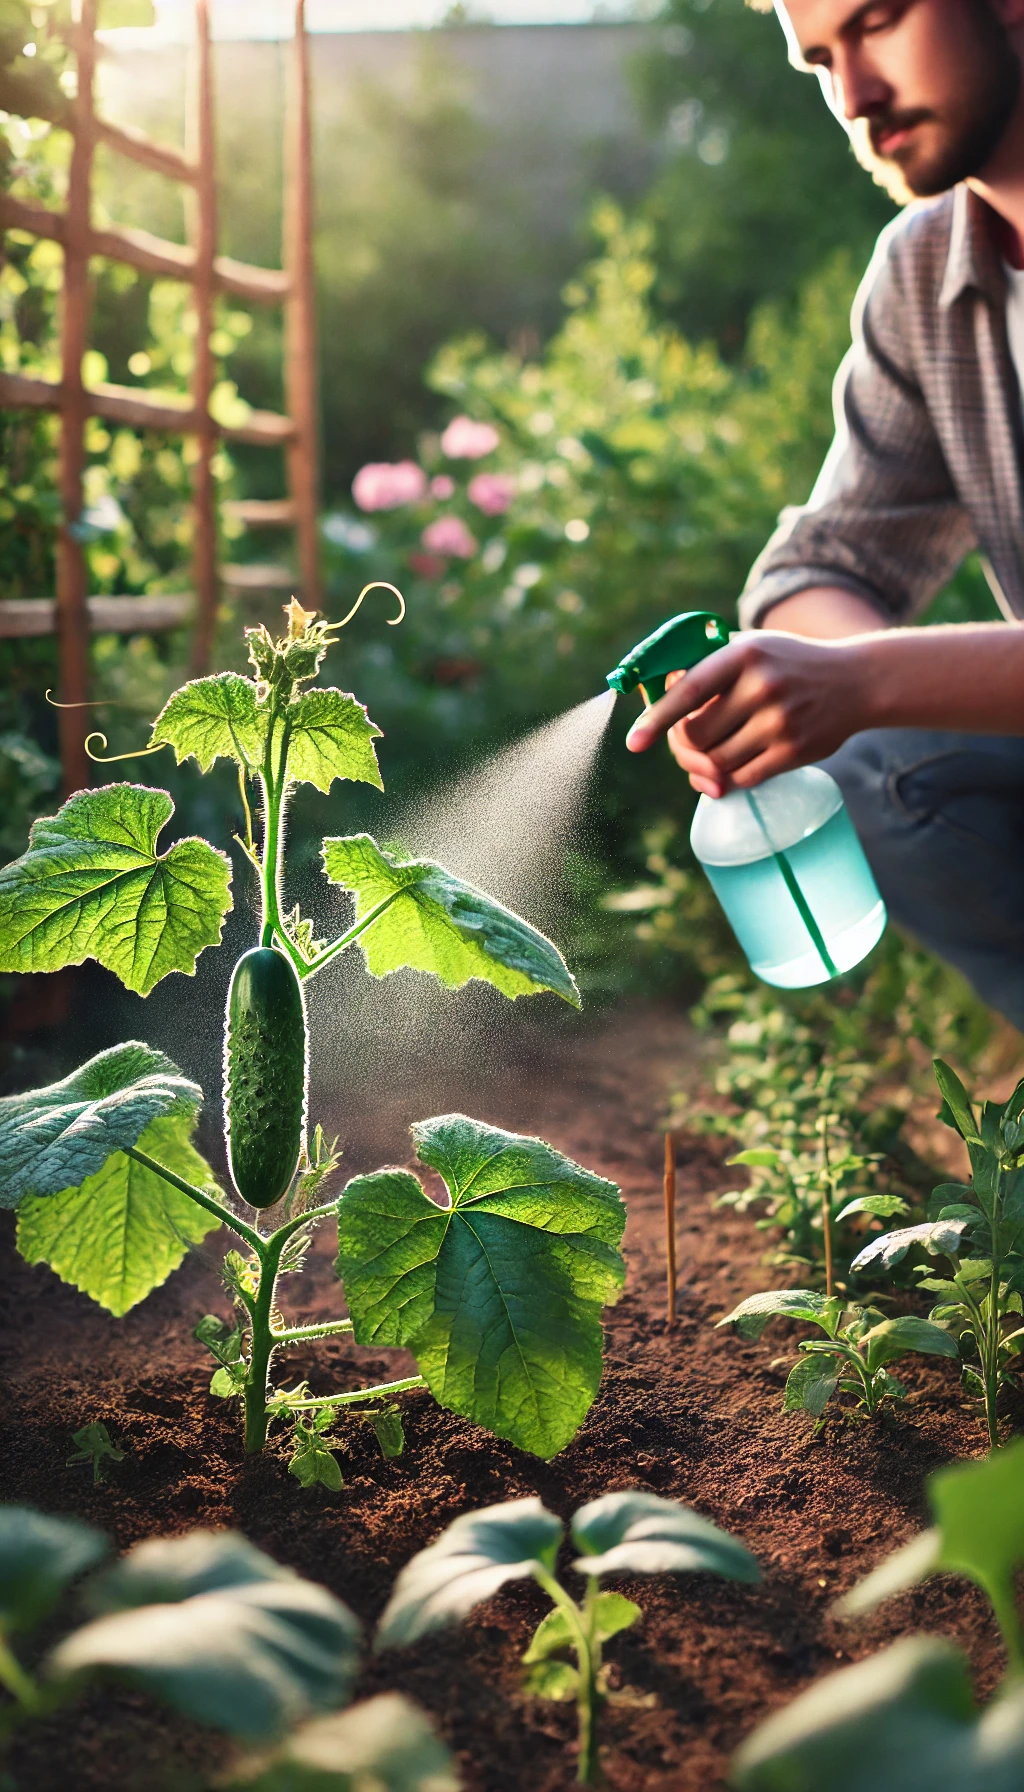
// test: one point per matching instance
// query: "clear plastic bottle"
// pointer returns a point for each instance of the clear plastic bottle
(790, 873)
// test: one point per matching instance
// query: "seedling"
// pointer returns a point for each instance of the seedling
(498, 1295)
(621, 1533)
(210, 1626)
(94, 1444)
(851, 1358)
(979, 1228)
(905, 1720)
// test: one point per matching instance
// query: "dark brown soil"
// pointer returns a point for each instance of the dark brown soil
(688, 1413)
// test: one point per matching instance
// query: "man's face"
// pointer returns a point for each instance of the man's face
(925, 87)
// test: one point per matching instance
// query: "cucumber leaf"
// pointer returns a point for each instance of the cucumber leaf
(384, 1744)
(811, 1384)
(498, 1296)
(753, 1314)
(92, 885)
(956, 1110)
(434, 922)
(122, 1231)
(165, 1570)
(51, 1139)
(331, 737)
(901, 1721)
(476, 1555)
(884, 1207)
(894, 1337)
(246, 1653)
(213, 718)
(610, 1614)
(940, 1238)
(39, 1557)
(639, 1533)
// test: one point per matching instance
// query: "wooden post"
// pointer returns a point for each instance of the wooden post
(203, 232)
(72, 573)
(670, 1225)
(300, 312)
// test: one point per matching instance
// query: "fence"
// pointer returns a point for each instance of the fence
(73, 614)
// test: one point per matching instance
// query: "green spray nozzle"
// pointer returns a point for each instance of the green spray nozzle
(674, 647)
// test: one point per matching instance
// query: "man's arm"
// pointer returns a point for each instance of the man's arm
(824, 613)
(769, 702)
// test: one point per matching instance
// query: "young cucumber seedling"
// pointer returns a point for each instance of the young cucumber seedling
(851, 1358)
(978, 1227)
(497, 1295)
(620, 1533)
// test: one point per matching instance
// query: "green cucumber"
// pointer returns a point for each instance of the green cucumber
(265, 1075)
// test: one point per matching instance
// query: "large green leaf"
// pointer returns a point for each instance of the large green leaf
(498, 1295)
(39, 1556)
(331, 736)
(902, 1721)
(92, 885)
(385, 1744)
(476, 1555)
(434, 922)
(247, 1654)
(53, 1138)
(640, 1533)
(213, 718)
(940, 1238)
(166, 1570)
(121, 1232)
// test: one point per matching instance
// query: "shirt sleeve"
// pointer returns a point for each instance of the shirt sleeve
(884, 519)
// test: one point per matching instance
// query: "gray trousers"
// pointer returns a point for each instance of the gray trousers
(941, 819)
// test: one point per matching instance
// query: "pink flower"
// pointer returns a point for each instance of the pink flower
(466, 440)
(442, 487)
(491, 492)
(449, 535)
(385, 485)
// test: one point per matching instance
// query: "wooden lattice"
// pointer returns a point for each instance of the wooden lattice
(73, 614)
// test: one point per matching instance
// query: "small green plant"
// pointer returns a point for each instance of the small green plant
(620, 1533)
(979, 1228)
(95, 1446)
(905, 1720)
(210, 1626)
(853, 1356)
(498, 1294)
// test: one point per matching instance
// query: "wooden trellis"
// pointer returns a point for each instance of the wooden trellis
(73, 614)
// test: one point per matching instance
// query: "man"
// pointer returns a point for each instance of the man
(927, 463)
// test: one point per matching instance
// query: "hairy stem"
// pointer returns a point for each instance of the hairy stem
(826, 1205)
(347, 939)
(295, 1333)
(375, 1393)
(261, 1349)
(202, 1199)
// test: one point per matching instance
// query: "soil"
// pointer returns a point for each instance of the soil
(686, 1412)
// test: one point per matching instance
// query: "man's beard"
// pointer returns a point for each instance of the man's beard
(967, 142)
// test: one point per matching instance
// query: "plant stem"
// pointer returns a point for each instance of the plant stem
(826, 1205)
(347, 939)
(295, 1333)
(19, 1684)
(588, 1662)
(375, 1393)
(991, 1365)
(202, 1199)
(261, 1349)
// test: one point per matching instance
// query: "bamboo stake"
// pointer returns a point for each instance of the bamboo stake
(670, 1224)
(72, 572)
(300, 312)
(203, 230)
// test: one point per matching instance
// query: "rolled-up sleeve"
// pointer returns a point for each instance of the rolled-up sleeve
(884, 519)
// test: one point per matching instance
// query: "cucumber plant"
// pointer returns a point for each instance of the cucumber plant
(851, 1358)
(620, 1533)
(210, 1626)
(498, 1294)
(905, 1720)
(978, 1227)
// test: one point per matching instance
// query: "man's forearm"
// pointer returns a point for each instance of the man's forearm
(824, 613)
(963, 676)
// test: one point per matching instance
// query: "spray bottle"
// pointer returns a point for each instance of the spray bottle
(783, 860)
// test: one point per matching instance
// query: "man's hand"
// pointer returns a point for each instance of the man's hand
(762, 705)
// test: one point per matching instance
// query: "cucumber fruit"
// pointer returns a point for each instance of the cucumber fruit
(265, 1075)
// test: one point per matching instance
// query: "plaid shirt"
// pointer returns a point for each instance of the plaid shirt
(928, 456)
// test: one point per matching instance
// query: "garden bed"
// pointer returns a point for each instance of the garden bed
(690, 1413)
